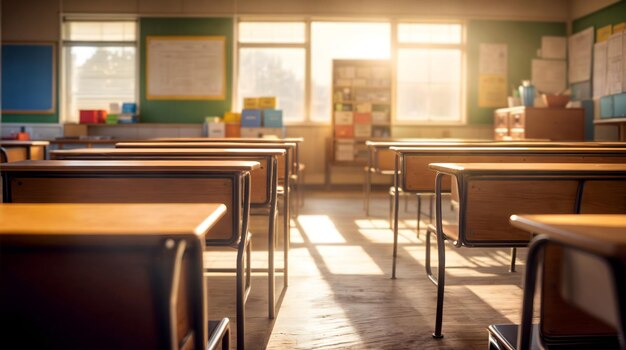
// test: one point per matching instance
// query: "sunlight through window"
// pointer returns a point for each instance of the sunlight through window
(348, 260)
(320, 229)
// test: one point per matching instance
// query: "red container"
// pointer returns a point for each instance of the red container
(344, 131)
(233, 130)
(362, 118)
(92, 116)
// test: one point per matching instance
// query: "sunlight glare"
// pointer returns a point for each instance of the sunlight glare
(320, 229)
(348, 260)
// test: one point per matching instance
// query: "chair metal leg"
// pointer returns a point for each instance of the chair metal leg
(367, 188)
(513, 257)
(441, 256)
(419, 213)
(395, 210)
(391, 199)
(241, 290)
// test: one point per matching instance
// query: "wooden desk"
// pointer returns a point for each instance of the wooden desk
(284, 170)
(86, 142)
(24, 150)
(489, 193)
(298, 166)
(580, 293)
(264, 184)
(69, 181)
(414, 176)
(381, 158)
(117, 276)
(620, 123)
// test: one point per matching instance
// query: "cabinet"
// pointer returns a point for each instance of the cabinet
(554, 124)
(361, 107)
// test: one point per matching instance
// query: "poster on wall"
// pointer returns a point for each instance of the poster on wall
(614, 68)
(599, 69)
(492, 80)
(185, 68)
(549, 76)
(580, 47)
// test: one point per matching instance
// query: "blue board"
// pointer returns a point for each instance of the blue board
(28, 78)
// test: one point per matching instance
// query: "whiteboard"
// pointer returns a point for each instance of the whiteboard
(186, 68)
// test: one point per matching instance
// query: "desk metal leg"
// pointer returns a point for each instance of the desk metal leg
(513, 258)
(441, 257)
(394, 210)
(271, 243)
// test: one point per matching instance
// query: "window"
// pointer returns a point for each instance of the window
(429, 81)
(272, 62)
(341, 40)
(99, 62)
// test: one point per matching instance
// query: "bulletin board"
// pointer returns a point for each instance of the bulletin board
(186, 67)
(29, 78)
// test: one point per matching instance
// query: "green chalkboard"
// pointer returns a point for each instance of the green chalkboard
(182, 111)
(522, 39)
(613, 14)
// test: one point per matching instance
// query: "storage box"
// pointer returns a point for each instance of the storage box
(344, 118)
(344, 150)
(364, 107)
(381, 131)
(262, 132)
(112, 118)
(216, 130)
(268, 102)
(606, 107)
(129, 107)
(380, 118)
(619, 105)
(251, 118)
(232, 117)
(250, 103)
(362, 130)
(92, 116)
(233, 130)
(362, 118)
(127, 118)
(74, 130)
(344, 131)
(272, 118)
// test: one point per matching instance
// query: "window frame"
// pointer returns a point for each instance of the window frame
(65, 115)
(463, 50)
(306, 45)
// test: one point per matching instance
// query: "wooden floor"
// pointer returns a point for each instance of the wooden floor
(341, 296)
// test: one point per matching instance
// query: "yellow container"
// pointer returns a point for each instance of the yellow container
(232, 117)
(267, 102)
(250, 103)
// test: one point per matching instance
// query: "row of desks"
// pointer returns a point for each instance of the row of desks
(492, 181)
(239, 175)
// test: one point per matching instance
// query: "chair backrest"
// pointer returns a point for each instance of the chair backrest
(57, 294)
(3, 155)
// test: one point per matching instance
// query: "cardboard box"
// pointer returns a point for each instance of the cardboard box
(217, 130)
(251, 118)
(364, 107)
(233, 130)
(344, 131)
(344, 118)
(362, 118)
(272, 118)
(250, 103)
(268, 102)
(74, 130)
(362, 130)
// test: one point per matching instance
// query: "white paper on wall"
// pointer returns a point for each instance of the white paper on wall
(615, 63)
(549, 76)
(580, 46)
(599, 69)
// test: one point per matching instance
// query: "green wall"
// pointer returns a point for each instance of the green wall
(522, 39)
(613, 14)
(162, 111)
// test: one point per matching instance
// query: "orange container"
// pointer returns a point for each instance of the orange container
(233, 130)
(344, 131)
(362, 118)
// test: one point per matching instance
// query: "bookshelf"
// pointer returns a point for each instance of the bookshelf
(361, 108)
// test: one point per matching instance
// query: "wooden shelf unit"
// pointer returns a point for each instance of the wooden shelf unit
(554, 124)
(361, 108)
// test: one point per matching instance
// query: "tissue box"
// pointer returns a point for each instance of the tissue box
(272, 118)
(251, 118)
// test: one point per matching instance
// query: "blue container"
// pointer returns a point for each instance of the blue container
(619, 105)
(606, 107)
(128, 107)
(272, 118)
(527, 94)
(251, 118)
